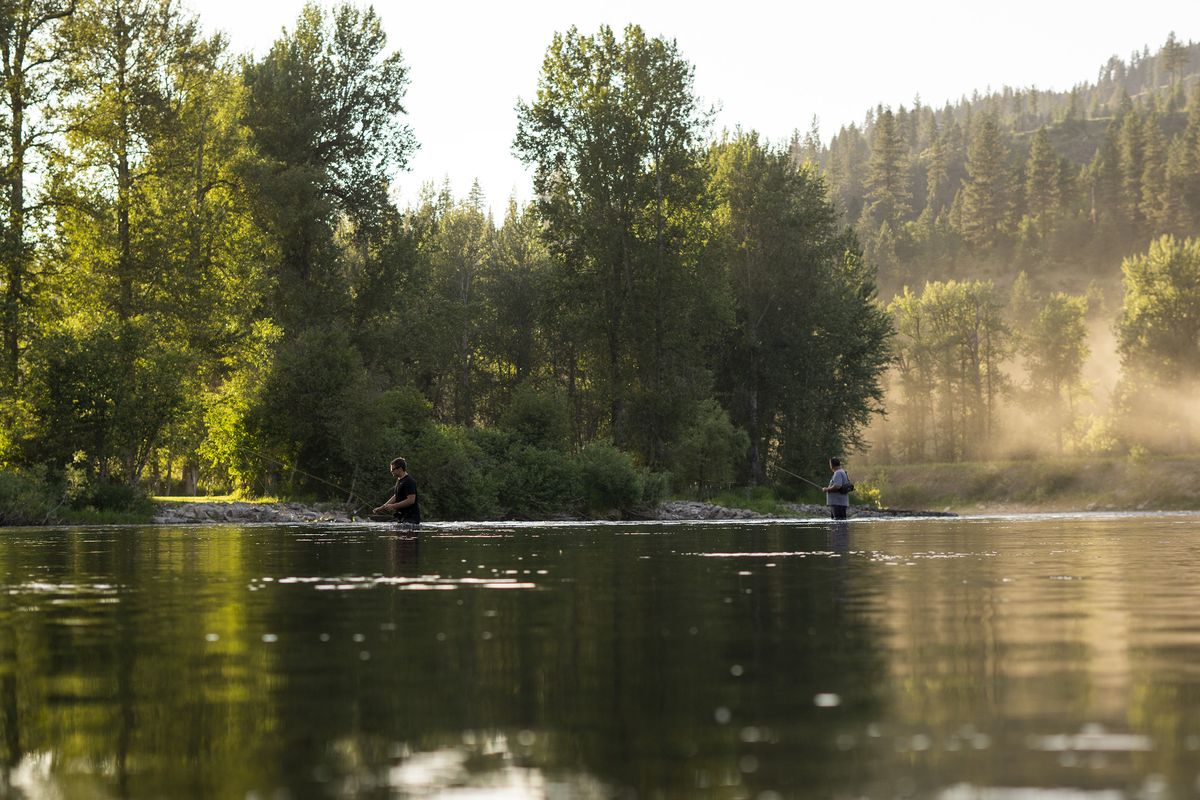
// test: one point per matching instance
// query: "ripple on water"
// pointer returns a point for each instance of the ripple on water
(421, 583)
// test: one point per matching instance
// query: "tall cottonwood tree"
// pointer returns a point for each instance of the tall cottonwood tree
(122, 106)
(121, 109)
(613, 137)
(324, 108)
(28, 57)
(1055, 347)
(801, 367)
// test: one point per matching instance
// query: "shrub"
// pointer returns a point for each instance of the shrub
(655, 487)
(455, 477)
(709, 450)
(111, 496)
(546, 482)
(538, 417)
(610, 480)
(25, 498)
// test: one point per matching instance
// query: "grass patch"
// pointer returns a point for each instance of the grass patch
(1060, 484)
(214, 498)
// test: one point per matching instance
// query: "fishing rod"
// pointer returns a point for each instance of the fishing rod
(350, 494)
(801, 477)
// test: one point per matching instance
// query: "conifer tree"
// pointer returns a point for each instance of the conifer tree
(1154, 207)
(937, 173)
(887, 195)
(1043, 177)
(986, 192)
(1130, 142)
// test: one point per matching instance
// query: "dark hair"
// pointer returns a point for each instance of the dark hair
(834, 462)
(400, 463)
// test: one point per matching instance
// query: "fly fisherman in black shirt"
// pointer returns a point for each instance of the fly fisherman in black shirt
(404, 497)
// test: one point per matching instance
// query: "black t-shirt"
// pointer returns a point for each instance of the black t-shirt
(410, 514)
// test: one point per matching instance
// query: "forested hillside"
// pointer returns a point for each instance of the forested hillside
(998, 226)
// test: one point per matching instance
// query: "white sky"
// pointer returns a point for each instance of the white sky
(767, 66)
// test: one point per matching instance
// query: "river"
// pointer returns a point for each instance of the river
(994, 657)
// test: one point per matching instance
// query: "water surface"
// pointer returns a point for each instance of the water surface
(1051, 656)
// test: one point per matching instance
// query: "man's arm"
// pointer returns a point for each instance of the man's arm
(385, 507)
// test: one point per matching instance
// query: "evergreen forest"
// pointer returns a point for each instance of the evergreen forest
(207, 287)
(1039, 256)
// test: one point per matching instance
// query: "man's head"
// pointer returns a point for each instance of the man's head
(835, 463)
(399, 467)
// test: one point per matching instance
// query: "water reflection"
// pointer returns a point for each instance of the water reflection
(953, 659)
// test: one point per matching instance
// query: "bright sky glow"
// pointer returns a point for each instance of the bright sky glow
(767, 66)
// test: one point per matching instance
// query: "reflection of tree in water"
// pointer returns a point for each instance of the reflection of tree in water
(219, 662)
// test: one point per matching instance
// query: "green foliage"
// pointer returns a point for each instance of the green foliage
(760, 499)
(107, 392)
(610, 480)
(952, 342)
(454, 478)
(802, 365)
(539, 417)
(25, 498)
(537, 483)
(710, 450)
(613, 138)
(116, 497)
(316, 409)
(1159, 330)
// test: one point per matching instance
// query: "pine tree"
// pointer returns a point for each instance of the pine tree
(1131, 148)
(1174, 57)
(1153, 206)
(887, 191)
(937, 173)
(1104, 179)
(1043, 177)
(986, 193)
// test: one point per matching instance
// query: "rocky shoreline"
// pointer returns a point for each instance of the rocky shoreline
(188, 513)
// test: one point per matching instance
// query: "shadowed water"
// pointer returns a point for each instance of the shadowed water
(1051, 656)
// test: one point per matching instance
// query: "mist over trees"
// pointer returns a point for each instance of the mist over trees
(998, 226)
(207, 286)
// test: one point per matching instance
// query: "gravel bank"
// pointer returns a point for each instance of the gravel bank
(243, 513)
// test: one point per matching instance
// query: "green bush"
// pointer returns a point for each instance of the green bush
(610, 480)
(541, 483)
(25, 498)
(455, 478)
(655, 487)
(110, 496)
(709, 450)
(538, 417)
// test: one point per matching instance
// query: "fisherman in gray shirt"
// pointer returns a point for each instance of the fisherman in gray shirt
(837, 499)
